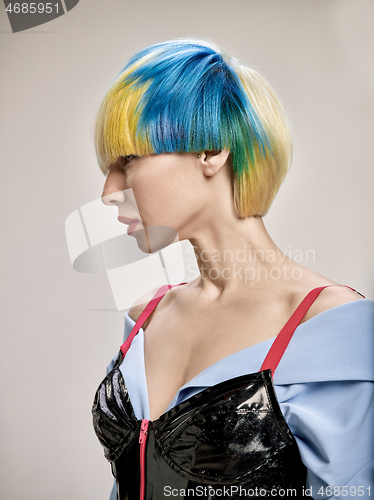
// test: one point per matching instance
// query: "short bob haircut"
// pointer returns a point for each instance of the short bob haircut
(188, 95)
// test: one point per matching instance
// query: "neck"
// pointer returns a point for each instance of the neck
(238, 252)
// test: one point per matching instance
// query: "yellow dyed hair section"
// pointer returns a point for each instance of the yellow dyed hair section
(117, 122)
(255, 188)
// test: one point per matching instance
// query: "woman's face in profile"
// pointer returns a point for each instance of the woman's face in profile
(159, 193)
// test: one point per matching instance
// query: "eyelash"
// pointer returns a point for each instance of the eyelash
(128, 158)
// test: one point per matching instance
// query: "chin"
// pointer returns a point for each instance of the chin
(153, 238)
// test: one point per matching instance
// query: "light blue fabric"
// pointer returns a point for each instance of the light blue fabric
(324, 385)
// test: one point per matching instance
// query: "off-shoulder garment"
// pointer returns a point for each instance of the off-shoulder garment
(324, 386)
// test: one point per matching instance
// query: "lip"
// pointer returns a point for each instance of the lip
(132, 227)
(132, 223)
(126, 220)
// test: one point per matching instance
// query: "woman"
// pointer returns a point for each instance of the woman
(191, 140)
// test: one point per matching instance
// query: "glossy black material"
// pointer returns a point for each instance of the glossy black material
(227, 436)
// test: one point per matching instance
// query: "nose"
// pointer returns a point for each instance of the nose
(113, 193)
(113, 199)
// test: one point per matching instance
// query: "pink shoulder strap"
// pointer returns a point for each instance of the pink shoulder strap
(282, 340)
(144, 315)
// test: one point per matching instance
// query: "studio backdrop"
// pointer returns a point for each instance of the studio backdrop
(64, 289)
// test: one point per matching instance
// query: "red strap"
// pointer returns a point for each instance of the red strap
(282, 340)
(144, 315)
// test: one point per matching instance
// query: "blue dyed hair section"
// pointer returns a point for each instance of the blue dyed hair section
(194, 101)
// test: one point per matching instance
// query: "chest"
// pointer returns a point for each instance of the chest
(177, 347)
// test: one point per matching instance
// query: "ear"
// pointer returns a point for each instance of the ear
(213, 161)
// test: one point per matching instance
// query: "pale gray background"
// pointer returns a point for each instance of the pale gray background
(318, 56)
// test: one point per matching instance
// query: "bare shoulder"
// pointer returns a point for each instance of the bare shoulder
(139, 305)
(331, 297)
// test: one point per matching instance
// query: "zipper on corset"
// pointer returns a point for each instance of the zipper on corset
(142, 440)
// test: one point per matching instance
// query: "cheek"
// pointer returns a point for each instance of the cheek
(165, 190)
(161, 200)
(151, 196)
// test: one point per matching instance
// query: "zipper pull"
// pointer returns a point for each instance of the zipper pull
(143, 430)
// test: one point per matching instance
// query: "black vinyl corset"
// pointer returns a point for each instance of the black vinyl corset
(229, 435)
